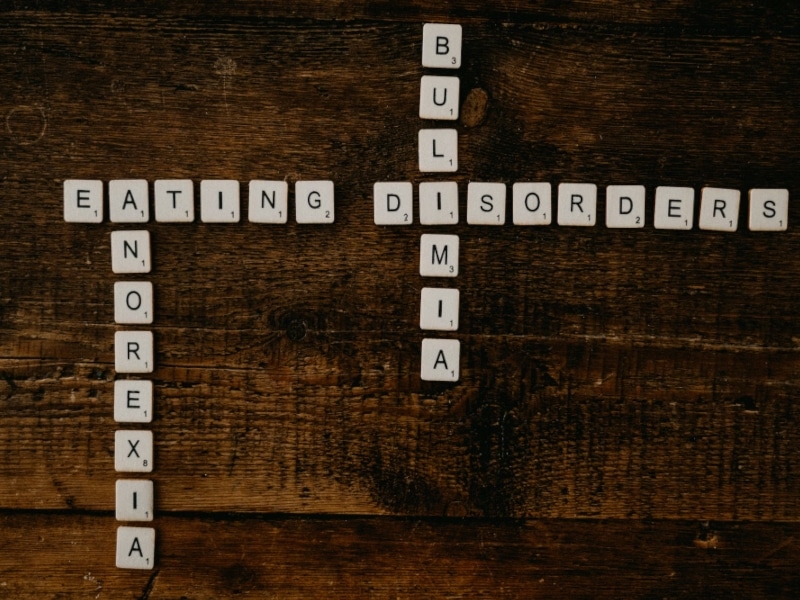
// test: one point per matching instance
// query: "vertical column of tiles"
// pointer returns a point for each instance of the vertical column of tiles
(439, 98)
(438, 201)
(134, 354)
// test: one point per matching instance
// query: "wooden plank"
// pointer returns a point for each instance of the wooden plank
(750, 16)
(387, 558)
(570, 431)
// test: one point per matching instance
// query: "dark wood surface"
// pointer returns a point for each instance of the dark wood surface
(625, 424)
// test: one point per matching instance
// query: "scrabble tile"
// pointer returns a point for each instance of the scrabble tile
(439, 97)
(769, 210)
(133, 451)
(441, 46)
(128, 201)
(438, 203)
(439, 309)
(136, 547)
(625, 206)
(486, 203)
(133, 401)
(133, 351)
(174, 200)
(438, 150)
(393, 203)
(440, 360)
(532, 203)
(130, 251)
(268, 202)
(438, 255)
(83, 201)
(133, 302)
(577, 204)
(314, 201)
(719, 209)
(674, 208)
(219, 201)
(134, 500)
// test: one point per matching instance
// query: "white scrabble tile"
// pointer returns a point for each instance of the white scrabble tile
(438, 97)
(133, 302)
(134, 500)
(438, 150)
(133, 451)
(577, 204)
(441, 46)
(719, 209)
(438, 203)
(486, 203)
(130, 251)
(268, 202)
(438, 255)
(136, 547)
(83, 201)
(133, 351)
(219, 201)
(439, 309)
(532, 203)
(625, 206)
(314, 202)
(133, 401)
(128, 201)
(440, 360)
(674, 208)
(769, 209)
(174, 200)
(393, 203)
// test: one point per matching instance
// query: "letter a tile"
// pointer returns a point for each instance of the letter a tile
(440, 360)
(136, 547)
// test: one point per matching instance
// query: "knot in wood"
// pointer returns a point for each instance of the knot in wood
(296, 330)
(475, 107)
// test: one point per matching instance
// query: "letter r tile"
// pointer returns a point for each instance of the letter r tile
(133, 351)
(719, 209)
(577, 204)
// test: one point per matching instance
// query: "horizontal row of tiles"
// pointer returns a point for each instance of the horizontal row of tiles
(393, 204)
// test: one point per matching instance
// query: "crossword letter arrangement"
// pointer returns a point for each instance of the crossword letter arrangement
(530, 203)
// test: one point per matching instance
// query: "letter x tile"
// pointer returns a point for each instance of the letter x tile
(133, 451)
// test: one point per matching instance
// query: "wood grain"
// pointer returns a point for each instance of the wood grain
(229, 557)
(606, 374)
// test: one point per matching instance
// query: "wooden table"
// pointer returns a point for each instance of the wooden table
(625, 422)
